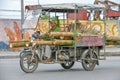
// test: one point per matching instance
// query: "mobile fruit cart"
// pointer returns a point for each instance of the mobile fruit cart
(61, 27)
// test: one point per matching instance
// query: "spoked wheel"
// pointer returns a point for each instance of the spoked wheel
(89, 60)
(67, 64)
(28, 63)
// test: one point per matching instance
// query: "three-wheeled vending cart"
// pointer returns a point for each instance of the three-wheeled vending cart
(70, 30)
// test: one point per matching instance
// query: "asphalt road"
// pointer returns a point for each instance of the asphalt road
(108, 69)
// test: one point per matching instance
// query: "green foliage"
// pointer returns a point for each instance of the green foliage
(47, 37)
(112, 42)
(57, 27)
(45, 16)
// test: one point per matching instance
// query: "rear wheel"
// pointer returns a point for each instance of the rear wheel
(67, 64)
(27, 64)
(89, 60)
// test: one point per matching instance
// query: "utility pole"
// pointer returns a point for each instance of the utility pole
(38, 2)
(22, 16)
(22, 13)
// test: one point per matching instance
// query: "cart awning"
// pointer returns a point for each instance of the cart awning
(65, 7)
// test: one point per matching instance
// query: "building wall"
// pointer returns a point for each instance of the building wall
(4, 39)
(10, 29)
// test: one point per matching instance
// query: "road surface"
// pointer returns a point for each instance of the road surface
(108, 69)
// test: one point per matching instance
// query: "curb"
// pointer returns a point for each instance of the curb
(9, 54)
(9, 57)
(13, 55)
(111, 53)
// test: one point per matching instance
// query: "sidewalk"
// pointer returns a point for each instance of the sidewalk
(15, 54)
(9, 54)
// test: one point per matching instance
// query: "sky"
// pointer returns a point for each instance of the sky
(15, 5)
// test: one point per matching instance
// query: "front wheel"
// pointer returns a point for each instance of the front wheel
(89, 60)
(67, 64)
(28, 63)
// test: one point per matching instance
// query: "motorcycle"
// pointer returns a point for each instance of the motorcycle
(31, 56)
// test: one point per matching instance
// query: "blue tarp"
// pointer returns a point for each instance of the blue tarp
(3, 46)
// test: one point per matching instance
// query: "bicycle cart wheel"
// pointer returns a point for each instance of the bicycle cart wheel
(67, 65)
(89, 60)
(27, 64)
